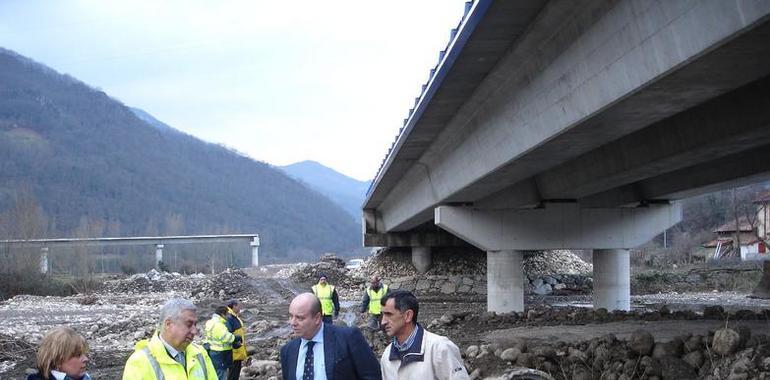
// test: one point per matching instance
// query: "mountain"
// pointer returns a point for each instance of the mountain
(343, 190)
(87, 158)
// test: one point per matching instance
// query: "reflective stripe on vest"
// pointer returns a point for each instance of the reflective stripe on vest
(374, 299)
(159, 373)
(324, 293)
(153, 363)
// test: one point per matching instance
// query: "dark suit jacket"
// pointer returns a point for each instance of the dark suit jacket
(346, 356)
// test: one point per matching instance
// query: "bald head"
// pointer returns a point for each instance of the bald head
(307, 302)
(305, 315)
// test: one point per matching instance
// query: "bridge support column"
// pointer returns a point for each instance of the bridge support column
(44, 260)
(612, 279)
(421, 258)
(255, 252)
(505, 279)
(158, 254)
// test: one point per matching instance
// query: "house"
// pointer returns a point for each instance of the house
(753, 246)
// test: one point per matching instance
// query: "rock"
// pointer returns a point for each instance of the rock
(525, 360)
(422, 285)
(726, 341)
(448, 288)
(543, 289)
(676, 369)
(661, 350)
(510, 354)
(694, 343)
(651, 366)
(581, 373)
(694, 359)
(472, 351)
(576, 356)
(543, 351)
(713, 312)
(476, 374)
(641, 342)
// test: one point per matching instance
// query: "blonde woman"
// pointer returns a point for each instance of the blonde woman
(62, 356)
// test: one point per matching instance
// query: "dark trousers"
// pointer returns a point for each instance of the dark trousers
(235, 370)
(222, 361)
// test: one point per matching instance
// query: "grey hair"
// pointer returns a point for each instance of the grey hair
(173, 308)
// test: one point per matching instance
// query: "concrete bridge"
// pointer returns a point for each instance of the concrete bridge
(159, 242)
(577, 125)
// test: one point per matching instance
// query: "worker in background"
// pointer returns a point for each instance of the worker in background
(220, 342)
(371, 302)
(170, 353)
(330, 301)
(235, 326)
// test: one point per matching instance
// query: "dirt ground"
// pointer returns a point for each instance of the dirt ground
(114, 321)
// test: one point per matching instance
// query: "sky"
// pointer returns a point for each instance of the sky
(279, 81)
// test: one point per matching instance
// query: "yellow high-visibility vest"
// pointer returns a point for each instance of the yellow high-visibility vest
(324, 293)
(374, 299)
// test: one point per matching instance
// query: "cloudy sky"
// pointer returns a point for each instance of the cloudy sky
(281, 81)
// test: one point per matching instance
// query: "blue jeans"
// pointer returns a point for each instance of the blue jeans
(222, 361)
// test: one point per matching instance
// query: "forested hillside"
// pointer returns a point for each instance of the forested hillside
(87, 158)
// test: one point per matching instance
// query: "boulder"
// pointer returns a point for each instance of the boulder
(641, 342)
(726, 341)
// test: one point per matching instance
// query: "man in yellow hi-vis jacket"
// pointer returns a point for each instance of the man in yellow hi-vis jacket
(330, 301)
(371, 302)
(220, 342)
(235, 326)
(170, 353)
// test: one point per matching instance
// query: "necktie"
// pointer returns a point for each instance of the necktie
(307, 373)
(180, 358)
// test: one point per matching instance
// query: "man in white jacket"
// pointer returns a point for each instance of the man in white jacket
(414, 353)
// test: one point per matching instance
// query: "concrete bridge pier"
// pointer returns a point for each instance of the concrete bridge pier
(505, 279)
(612, 279)
(158, 254)
(421, 258)
(44, 260)
(255, 251)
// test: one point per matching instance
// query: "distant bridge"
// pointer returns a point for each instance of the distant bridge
(159, 242)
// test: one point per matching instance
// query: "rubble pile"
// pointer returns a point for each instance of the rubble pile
(548, 272)
(388, 264)
(558, 284)
(698, 279)
(721, 354)
(544, 315)
(229, 284)
(349, 284)
(152, 281)
(560, 261)
(13, 351)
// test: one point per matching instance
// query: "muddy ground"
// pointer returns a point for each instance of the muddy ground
(113, 319)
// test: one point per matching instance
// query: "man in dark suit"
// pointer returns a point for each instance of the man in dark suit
(323, 351)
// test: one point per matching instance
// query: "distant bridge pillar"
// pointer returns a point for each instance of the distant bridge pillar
(255, 252)
(158, 254)
(612, 279)
(421, 258)
(44, 260)
(505, 279)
